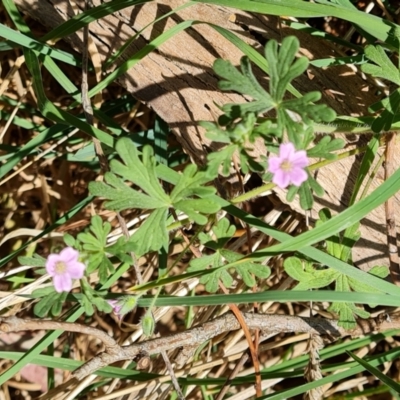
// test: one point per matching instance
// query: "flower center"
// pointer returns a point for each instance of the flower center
(286, 166)
(60, 267)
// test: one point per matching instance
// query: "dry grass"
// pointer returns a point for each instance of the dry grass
(45, 185)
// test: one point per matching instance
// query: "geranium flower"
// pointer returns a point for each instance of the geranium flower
(63, 268)
(288, 166)
(124, 304)
(115, 304)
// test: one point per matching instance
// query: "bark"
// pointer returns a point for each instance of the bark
(177, 81)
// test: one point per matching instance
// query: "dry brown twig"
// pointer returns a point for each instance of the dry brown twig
(199, 334)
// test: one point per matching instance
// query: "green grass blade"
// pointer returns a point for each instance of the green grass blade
(375, 371)
(368, 159)
(61, 221)
(16, 17)
(66, 364)
(153, 45)
(31, 146)
(254, 56)
(273, 295)
(340, 222)
(313, 253)
(375, 26)
(27, 42)
(120, 51)
(49, 110)
(351, 370)
(81, 20)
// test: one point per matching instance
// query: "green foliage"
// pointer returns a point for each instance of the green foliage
(237, 136)
(190, 193)
(50, 302)
(312, 276)
(153, 234)
(222, 259)
(383, 68)
(126, 304)
(92, 299)
(282, 70)
(294, 117)
(325, 148)
(93, 244)
(35, 261)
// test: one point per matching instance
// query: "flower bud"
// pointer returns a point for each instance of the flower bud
(148, 324)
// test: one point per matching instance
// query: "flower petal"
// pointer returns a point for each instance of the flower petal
(69, 255)
(274, 164)
(75, 269)
(299, 159)
(281, 179)
(286, 150)
(51, 262)
(62, 283)
(298, 176)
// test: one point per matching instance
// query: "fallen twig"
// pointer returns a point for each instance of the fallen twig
(200, 334)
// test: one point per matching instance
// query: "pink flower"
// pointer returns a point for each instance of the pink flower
(115, 304)
(63, 268)
(288, 167)
(124, 304)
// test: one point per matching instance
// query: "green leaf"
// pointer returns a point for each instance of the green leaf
(105, 269)
(390, 106)
(189, 183)
(364, 170)
(141, 173)
(35, 261)
(283, 68)
(244, 83)
(87, 305)
(151, 235)
(350, 237)
(69, 240)
(312, 277)
(199, 264)
(52, 301)
(223, 232)
(101, 304)
(307, 276)
(194, 208)
(381, 271)
(325, 147)
(58, 304)
(41, 292)
(345, 313)
(384, 67)
(122, 197)
(238, 135)
(93, 243)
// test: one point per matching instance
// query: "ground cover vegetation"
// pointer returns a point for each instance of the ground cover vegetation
(129, 270)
